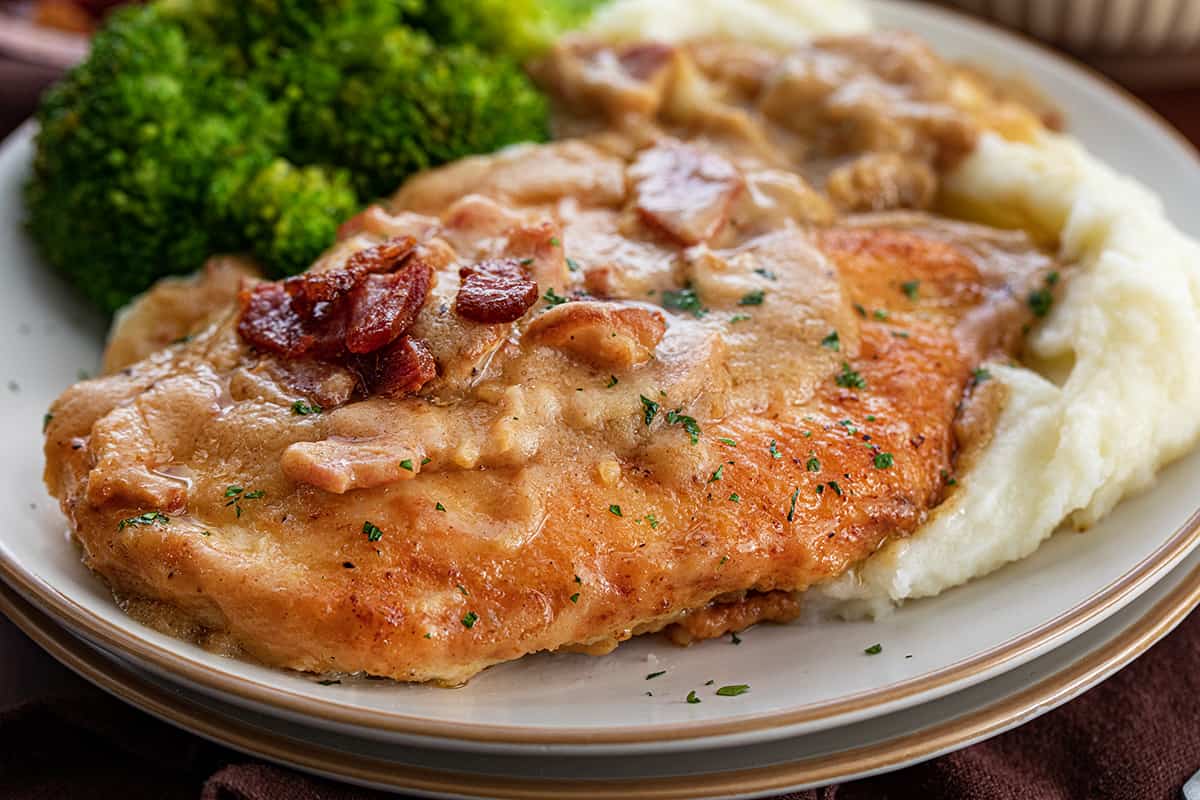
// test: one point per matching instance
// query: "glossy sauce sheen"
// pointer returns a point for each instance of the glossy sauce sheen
(724, 391)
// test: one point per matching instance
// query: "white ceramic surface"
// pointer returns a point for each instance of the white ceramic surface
(803, 677)
(880, 745)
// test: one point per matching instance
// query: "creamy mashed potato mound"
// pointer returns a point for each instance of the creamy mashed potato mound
(1110, 393)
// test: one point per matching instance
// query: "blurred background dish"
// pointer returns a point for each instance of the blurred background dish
(1142, 43)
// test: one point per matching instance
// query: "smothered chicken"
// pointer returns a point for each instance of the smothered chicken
(706, 350)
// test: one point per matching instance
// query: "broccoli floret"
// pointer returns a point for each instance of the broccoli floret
(201, 126)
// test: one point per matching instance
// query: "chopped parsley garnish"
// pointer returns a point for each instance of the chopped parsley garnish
(303, 409)
(881, 314)
(874, 649)
(850, 379)
(832, 342)
(46, 421)
(236, 494)
(407, 464)
(766, 273)
(612, 381)
(553, 298)
(884, 460)
(1052, 278)
(1040, 301)
(572, 265)
(149, 518)
(462, 589)
(739, 318)
(717, 474)
(469, 619)
(575, 598)
(372, 532)
(813, 465)
(980, 375)
(684, 299)
(862, 312)
(689, 424)
(615, 510)
(911, 289)
(654, 675)
(900, 334)
(555, 241)
(820, 488)
(525, 262)
(649, 408)
(691, 698)
(774, 450)
(836, 489)
(724, 560)
(792, 511)
(425, 460)
(735, 498)
(754, 298)
(652, 521)
(578, 579)
(439, 507)
(728, 441)
(734, 690)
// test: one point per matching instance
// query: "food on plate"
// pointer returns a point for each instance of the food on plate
(748, 335)
(195, 128)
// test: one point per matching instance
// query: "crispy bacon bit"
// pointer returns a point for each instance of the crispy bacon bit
(684, 191)
(495, 291)
(404, 367)
(342, 315)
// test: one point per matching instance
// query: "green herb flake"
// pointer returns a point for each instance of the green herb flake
(555, 241)
(792, 511)
(439, 507)
(691, 697)
(813, 465)
(850, 379)
(463, 590)
(654, 675)
(649, 409)
(858, 307)
(832, 342)
(684, 299)
(766, 273)
(754, 298)
(884, 460)
(652, 521)
(615, 510)
(1053, 278)
(46, 418)
(1040, 302)
(407, 464)
(233, 491)
(911, 289)
(572, 265)
(836, 489)
(874, 649)
(734, 690)
(553, 298)
(257, 494)
(469, 619)
(717, 474)
(612, 381)
(303, 409)
(724, 560)
(735, 498)
(689, 424)
(372, 532)
(149, 518)
(727, 441)
(880, 314)
(574, 598)
(773, 449)
(739, 318)
(980, 375)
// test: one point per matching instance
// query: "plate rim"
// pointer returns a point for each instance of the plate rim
(124, 682)
(1139, 577)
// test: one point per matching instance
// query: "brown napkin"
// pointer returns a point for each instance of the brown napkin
(1134, 737)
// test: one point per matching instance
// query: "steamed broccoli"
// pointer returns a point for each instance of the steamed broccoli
(199, 126)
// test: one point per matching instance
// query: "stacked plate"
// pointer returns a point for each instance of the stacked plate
(826, 704)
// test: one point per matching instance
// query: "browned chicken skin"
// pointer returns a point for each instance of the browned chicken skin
(719, 397)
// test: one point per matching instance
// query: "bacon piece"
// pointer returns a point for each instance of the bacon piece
(495, 291)
(684, 191)
(403, 368)
(383, 307)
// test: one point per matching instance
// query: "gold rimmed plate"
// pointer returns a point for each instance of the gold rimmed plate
(804, 678)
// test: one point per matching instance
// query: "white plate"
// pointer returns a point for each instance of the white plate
(880, 745)
(804, 678)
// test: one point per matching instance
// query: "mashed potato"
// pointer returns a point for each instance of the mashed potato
(1104, 405)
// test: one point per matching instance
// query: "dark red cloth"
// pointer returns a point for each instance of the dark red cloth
(1134, 737)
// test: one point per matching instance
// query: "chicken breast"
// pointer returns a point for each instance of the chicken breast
(550, 398)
